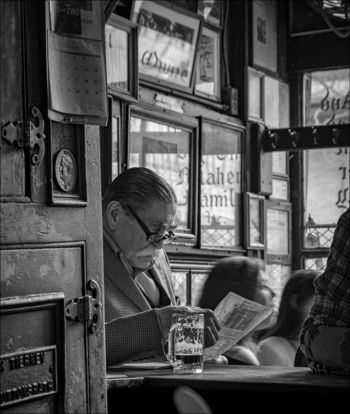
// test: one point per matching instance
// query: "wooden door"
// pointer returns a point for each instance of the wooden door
(52, 356)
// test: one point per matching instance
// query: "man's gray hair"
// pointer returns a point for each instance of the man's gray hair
(137, 187)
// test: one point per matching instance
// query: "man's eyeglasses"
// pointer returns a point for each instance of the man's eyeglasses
(154, 238)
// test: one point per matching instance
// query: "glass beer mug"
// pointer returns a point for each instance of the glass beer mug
(186, 343)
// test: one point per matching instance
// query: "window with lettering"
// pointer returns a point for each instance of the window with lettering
(165, 149)
(326, 171)
(221, 185)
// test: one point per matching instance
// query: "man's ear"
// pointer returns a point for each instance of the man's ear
(113, 212)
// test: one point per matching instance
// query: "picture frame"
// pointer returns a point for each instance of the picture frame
(275, 102)
(167, 42)
(211, 11)
(280, 188)
(121, 45)
(277, 227)
(255, 95)
(264, 31)
(207, 81)
(67, 166)
(254, 221)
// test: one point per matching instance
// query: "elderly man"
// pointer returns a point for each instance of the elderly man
(139, 211)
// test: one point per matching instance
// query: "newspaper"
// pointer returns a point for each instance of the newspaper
(237, 317)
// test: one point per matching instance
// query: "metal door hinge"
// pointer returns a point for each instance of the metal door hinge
(25, 134)
(86, 308)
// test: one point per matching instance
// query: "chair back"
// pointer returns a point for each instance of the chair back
(188, 401)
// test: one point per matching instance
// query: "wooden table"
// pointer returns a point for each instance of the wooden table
(260, 389)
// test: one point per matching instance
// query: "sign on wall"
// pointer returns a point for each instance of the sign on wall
(167, 42)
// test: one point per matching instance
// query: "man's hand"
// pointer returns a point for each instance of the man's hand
(211, 324)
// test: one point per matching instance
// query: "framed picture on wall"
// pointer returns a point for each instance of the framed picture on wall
(277, 215)
(208, 64)
(264, 30)
(121, 56)
(255, 94)
(167, 43)
(254, 221)
(275, 102)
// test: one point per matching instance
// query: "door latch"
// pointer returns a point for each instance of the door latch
(26, 134)
(86, 308)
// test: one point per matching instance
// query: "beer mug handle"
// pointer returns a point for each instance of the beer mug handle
(171, 344)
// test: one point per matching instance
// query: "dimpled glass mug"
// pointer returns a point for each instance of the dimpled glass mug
(186, 343)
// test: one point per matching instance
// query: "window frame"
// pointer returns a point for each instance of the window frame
(238, 216)
(189, 237)
(132, 31)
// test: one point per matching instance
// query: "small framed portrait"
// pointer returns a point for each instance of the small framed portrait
(277, 216)
(167, 43)
(275, 102)
(255, 95)
(208, 64)
(121, 56)
(264, 20)
(254, 221)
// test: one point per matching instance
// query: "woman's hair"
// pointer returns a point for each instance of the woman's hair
(138, 187)
(238, 274)
(297, 291)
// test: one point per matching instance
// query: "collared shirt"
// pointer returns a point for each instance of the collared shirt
(332, 293)
(153, 292)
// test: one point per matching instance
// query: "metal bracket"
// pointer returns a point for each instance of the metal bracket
(86, 308)
(25, 134)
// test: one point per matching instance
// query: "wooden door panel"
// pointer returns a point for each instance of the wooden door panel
(48, 251)
(32, 358)
(12, 160)
(42, 270)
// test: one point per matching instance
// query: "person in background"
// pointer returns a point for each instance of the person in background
(281, 342)
(245, 277)
(325, 336)
(139, 211)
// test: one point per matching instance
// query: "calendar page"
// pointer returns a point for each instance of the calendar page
(76, 64)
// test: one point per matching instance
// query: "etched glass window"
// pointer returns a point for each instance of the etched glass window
(326, 171)
(164, 149)
(220, 186)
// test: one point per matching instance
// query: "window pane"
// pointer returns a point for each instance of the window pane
(197, 283)
(315, 263)
(278, 276)
(165, 150)
(326, 171)
(326, 193)
(220, 186)
(180, 286)
(117, 57)
(327, 97)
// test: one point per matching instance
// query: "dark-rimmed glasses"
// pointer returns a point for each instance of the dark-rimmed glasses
(154, 238)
